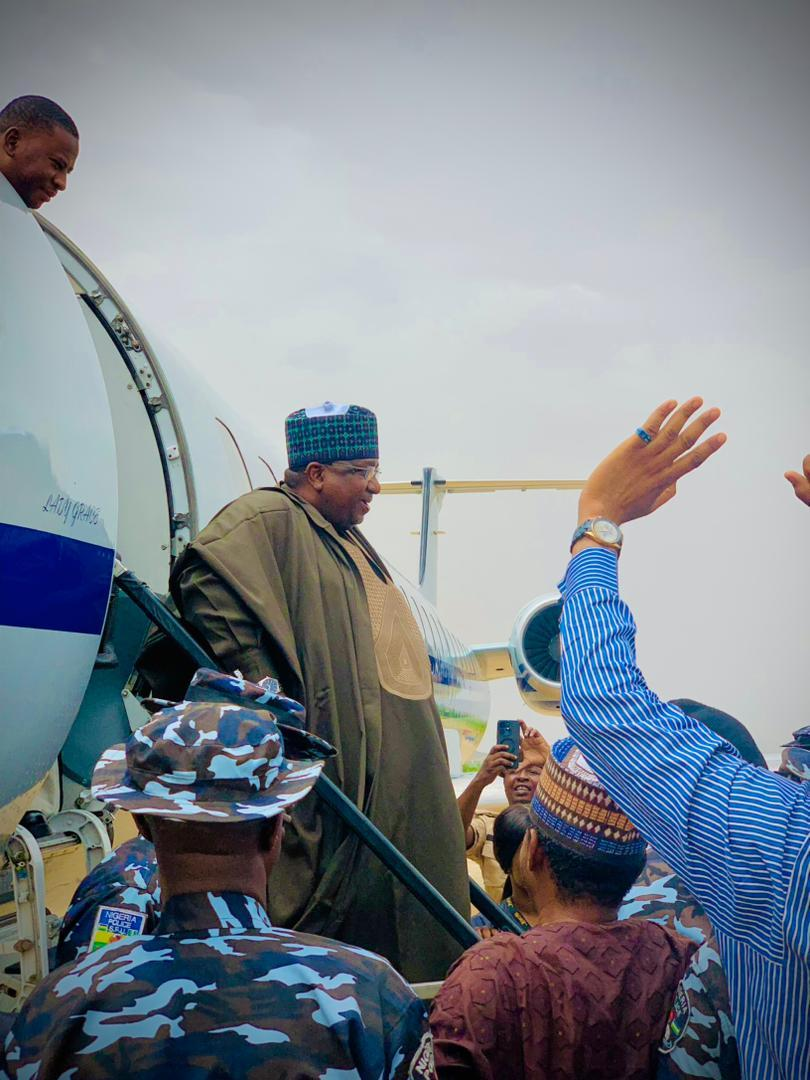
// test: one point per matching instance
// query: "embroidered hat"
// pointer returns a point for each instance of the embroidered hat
(329, 432)
(796, 754)
(213, 760)
(571, 807)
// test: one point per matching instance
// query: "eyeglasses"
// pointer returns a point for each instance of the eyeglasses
(368, 472)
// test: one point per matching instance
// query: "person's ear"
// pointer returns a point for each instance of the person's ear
(271, 835)
(142, 823)
(11, 140)
(315, 473)
(535, 852)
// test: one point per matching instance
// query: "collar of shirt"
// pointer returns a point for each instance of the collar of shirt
(229, 911)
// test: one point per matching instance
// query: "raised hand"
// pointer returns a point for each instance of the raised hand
(533, 747)
(642, 473)
(801, 484)
(495, 764)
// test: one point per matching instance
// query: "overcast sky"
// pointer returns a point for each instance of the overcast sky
(511, 229)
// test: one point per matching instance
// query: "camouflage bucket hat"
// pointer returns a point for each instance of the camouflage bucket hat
(211, 761)
(265, 696)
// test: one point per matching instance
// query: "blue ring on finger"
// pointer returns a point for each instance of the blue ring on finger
(645, 436)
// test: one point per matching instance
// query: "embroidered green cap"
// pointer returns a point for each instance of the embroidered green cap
(330, 432)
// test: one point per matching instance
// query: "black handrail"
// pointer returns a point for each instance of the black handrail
(444, 913)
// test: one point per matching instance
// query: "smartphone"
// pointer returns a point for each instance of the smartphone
(508, 734)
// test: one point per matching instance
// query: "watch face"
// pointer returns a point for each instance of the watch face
(606, 531)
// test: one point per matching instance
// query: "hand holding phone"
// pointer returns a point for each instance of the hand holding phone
(508, 735)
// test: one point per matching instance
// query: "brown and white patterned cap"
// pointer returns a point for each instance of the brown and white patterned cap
(571, 806)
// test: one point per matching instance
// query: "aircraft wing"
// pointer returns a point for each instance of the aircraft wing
(494, 662)
(460, 487)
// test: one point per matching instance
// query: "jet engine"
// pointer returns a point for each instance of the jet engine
(534, 649)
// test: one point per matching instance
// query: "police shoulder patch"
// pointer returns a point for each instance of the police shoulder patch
(676, 1021)
(114, 923)
(423, 1063)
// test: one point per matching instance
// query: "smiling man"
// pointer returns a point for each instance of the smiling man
(519, 782)
(283, 583)
(39, 144)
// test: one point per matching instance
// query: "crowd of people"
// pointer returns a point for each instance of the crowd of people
(659, 871)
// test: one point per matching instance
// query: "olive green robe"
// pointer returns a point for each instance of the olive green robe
(271, 588)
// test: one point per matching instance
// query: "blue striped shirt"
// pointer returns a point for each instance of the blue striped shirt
(738, 836)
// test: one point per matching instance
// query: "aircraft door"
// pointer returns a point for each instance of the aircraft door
(144, 541)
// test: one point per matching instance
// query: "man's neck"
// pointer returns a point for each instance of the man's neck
(555, 910)
(525, 903)
(552, 907)
(182, 873)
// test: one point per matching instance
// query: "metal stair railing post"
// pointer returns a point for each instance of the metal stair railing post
(140, 593)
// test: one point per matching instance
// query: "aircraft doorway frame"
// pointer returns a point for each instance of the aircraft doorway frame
(100, 298)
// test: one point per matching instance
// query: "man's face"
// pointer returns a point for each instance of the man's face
(37, 162)
(519, 783)
(347, 491)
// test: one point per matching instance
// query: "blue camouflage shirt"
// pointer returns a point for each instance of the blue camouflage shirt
(127, 878)
(218, 992)
(699, 1039)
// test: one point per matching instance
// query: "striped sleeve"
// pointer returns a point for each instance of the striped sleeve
(731, 830)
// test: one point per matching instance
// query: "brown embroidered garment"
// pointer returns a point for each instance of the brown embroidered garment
(568, 1001)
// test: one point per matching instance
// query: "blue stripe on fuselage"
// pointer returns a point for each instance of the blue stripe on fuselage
(52, 582)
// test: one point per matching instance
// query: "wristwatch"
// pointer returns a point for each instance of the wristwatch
(604, 532)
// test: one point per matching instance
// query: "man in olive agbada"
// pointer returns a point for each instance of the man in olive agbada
(282, 583)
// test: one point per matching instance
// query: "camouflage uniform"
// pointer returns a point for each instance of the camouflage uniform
(127, 878)
(216, 990)
(699, 1039)
(796, 756)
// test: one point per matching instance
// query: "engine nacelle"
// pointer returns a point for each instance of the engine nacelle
(534, 648)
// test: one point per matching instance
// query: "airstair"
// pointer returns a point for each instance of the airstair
(24, 949)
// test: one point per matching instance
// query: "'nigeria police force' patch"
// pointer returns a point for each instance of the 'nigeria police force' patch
(113, 923)
(423, 1063)
(676, 1021)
